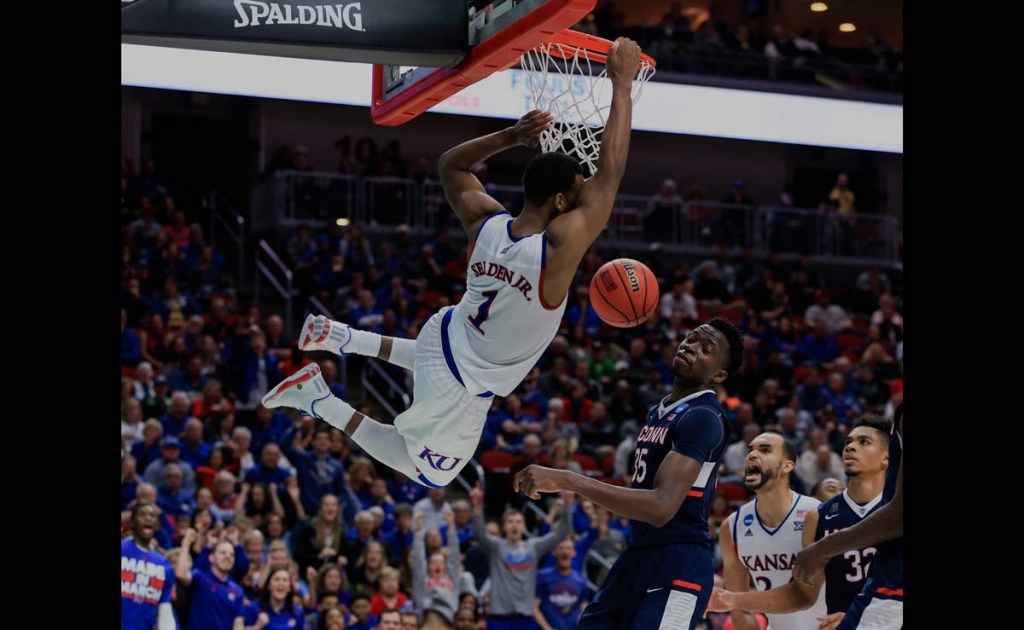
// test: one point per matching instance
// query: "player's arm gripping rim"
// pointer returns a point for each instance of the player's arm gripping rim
(464, 192)
(883, 525)
(735, 575)
(791, 597)
(576, 231)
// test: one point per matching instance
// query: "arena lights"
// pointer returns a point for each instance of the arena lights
(818, 7)
(847, 27)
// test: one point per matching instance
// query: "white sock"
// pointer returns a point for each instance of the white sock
(403, 353)
(364, 343)
(334, 411)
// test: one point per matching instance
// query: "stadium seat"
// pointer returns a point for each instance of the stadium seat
(587, 463)
(607, 464)
(127, 371)
(849, 341)
(497, 461)
(732, 315)
(735, 493)
(800, 373)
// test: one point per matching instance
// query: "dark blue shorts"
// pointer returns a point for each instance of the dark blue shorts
(519, 623)
(653, 588)
(876, 608)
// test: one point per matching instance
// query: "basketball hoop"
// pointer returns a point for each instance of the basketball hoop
(564, 82)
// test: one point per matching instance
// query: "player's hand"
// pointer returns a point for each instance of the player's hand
(809, 563)
(476, 497)
(721, 601)
(623, 60)
(528, 128)
(830, 622)
(535, 479)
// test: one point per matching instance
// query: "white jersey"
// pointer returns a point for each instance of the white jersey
(503, 324)
(768, 555)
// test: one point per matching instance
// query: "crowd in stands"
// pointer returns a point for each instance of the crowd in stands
(313, 522)
(752, 49)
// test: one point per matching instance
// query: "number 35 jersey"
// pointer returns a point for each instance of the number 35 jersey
(502, 326)
(693, 426)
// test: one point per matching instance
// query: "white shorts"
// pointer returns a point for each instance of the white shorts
(442, 427)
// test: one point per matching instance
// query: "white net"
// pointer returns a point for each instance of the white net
(577, 92)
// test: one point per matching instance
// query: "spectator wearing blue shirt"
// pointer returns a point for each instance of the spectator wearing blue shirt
(401, 537)
(269, 471)
(177, 415)
(275, 609)
(147, 578)
(194, 449)
(562, 591)
(217, 601)
(463, 512)
(269, 426)
(318, 472)
(131, 348)
(819, 348)
(360, 618)
(404, 490)
(171, 497)
(843, 402)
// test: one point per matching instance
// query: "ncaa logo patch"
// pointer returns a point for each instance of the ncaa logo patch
(748, 519)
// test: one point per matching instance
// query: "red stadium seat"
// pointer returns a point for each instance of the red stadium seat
(607, 464)
(586, 462)
(735, 493)
(127, 370)
(800, 373)
(497, 461)
(849, 341)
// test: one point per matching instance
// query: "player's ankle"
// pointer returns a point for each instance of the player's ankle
(362, 343)
(333, 411)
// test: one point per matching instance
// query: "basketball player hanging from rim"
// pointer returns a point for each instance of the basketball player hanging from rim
(520, 271)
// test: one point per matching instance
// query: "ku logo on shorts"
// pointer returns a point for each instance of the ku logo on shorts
(437, 461)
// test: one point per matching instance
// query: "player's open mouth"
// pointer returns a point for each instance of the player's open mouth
(147, 530)
(753, 472)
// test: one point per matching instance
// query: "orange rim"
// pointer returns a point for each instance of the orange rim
(591, 47)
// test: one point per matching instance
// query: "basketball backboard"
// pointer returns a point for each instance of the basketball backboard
(422, 51)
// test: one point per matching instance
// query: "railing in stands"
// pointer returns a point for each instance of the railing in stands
(223, 215)
(285, 289)
(636, 221)
(370, 370)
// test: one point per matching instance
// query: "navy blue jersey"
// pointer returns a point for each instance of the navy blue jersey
(693, 426)
(887, 568)
(844, 575)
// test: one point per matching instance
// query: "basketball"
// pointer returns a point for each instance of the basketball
(623, 292)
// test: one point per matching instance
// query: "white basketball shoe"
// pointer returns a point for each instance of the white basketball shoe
(322, 333)
(301, 391)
